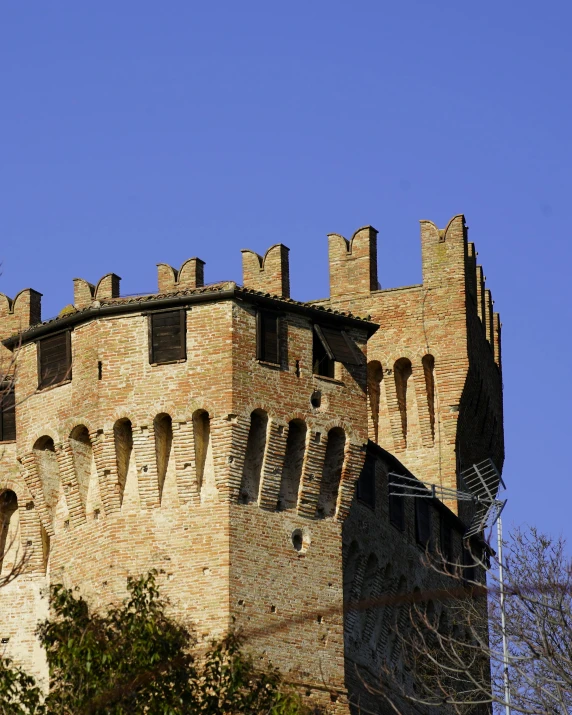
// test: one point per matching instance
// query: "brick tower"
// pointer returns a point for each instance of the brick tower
(217, 433)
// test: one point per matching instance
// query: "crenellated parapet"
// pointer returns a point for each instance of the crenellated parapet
(16, 315)
(85, 293)
(438, 348)
(269, 273)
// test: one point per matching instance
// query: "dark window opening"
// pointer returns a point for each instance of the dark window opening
(469, 564)
(7, 413)
(54, 359)
(396, 503)
(167, 336)
(423, 521)
(331, 345)
(446, 538)
(365, 490)
(322, 363)
(268, 337)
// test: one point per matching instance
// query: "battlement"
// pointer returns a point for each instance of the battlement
(235, 439)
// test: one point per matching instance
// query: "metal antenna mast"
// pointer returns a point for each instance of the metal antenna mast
(481, 483)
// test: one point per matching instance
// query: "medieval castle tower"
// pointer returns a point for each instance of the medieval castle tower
(239, 441)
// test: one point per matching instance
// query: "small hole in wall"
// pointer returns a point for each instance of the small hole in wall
(241, 602)
(4, 641)
(29, 505)
(320, 619)
(67, 524)
(29, 542)
(300, 541)
(272, 609)
(99, 370)
(96, 514)
(297, 368)
(316, 399)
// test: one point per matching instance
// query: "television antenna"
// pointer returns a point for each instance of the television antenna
(480, 484)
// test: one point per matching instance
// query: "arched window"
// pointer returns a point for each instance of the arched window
(163, 428)
(48, 469)
(331, 473)
(123, 435)
(374, 379)
(402, 372)
(429, 372)
(82, 452)
(204, 454)
(8, 529)
(293, 463)
(254, 457)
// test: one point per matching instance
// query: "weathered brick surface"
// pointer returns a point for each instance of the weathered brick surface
(162, 479)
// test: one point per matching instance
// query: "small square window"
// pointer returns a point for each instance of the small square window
(167, 336)
(268, 337)
(7, 412)
(54, 359)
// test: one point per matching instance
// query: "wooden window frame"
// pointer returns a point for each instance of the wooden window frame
(261, 348)
(7, 389)
(68, 358)
(182, 335)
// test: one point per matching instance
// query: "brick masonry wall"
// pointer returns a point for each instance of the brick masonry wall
(273, 534)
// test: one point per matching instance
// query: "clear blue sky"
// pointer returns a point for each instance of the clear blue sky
(136, 132)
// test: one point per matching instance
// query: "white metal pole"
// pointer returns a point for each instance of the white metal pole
(503, 621)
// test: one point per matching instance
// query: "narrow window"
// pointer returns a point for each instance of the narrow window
(293, 462)
(469, 564)
(322, 363)
(48, 469)
(331, 345)
(123, 435)
(429, 372)
(255, 448)
(203, 446)
(54, 359)
(396, 504)
(423, 521)
(268, 337)
(365, 489)
(446, 538)
(7, 413)
(374, 379)
(163, 428)
(8, 506)
(402, 373)
(82, 453)
(167, 337)
(331, 473)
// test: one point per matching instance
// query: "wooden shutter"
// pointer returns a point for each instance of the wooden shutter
(8, 414)
(423, 520)
(270, 338)
(167, 336)
(54, 359)
(338, 345)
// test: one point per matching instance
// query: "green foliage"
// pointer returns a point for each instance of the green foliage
(19, 694)
(137, 659)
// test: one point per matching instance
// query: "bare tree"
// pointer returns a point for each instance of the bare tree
(452, 649)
